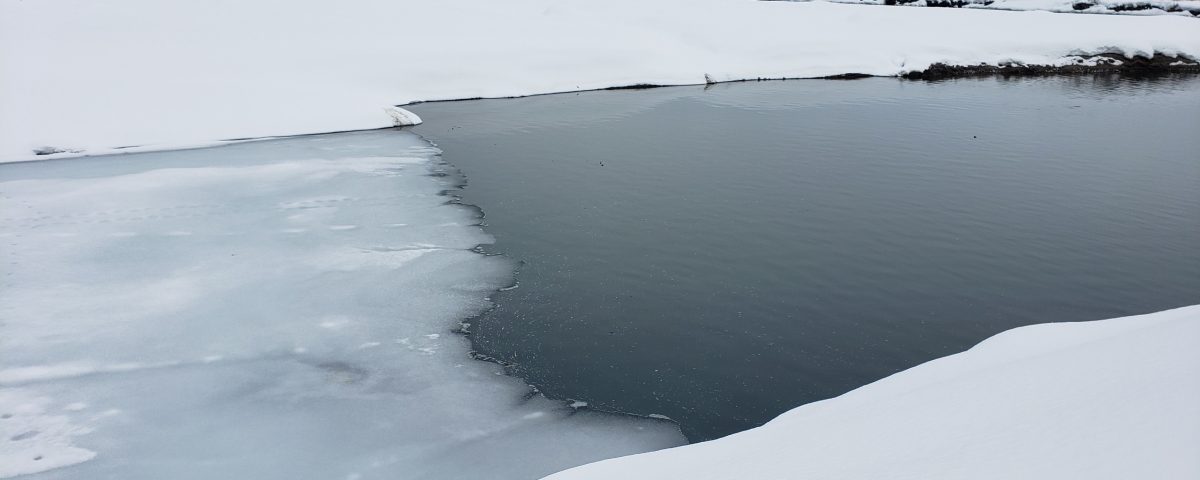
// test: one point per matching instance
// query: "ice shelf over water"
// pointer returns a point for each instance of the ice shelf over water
(1112, 399)
(81, 76)
(279, 309)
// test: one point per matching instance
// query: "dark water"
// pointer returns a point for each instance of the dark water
(720, 255)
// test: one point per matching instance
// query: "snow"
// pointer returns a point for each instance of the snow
(35, 440)
(277, 309)
(402, 117)
(86, 77)
(1110, 399)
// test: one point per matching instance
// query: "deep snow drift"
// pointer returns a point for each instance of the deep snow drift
(279, 309)
(81, 76)
(1108, 399)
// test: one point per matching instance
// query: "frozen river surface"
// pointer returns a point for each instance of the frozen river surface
(280, 309)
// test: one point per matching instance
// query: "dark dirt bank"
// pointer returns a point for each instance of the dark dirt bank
(1106, 63)
(1159, 64)
(1081, 6)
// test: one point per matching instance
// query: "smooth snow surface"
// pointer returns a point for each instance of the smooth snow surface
(81, 76)
(280, 309)
(1112, 399)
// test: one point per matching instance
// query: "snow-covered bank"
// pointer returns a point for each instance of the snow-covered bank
(1107, 399)
(87, 77)
(1186, 8)
(1135, 7)
(280, 309)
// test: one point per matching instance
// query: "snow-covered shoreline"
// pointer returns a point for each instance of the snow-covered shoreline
(87, 77)
(1183, 8)
(1104, 399)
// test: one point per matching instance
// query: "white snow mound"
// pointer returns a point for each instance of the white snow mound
(1112, 399)
(402, 117)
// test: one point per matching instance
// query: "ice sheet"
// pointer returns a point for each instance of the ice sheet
(277, 309)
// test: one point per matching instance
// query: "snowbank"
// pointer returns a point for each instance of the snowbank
(89, 77)
(1108, 399)
(280, 309)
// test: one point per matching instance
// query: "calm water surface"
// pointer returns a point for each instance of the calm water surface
(720, 255)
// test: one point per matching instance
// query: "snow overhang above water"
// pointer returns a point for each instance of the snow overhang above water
(1112, 399)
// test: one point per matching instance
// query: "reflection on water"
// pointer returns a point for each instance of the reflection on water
(722, 254)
